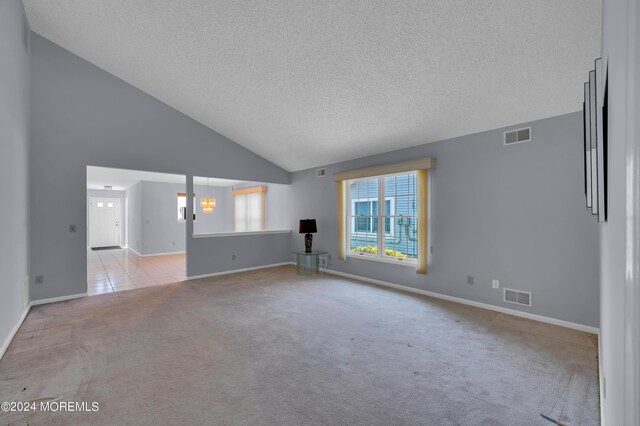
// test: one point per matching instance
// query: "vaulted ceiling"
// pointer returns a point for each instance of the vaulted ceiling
(306, 83)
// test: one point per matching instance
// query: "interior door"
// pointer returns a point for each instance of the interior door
(104, 222)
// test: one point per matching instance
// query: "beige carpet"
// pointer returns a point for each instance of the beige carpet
(271, 348)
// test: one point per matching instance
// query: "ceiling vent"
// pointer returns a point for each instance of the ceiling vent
(518, 297)
(321, 172)
(517, 136)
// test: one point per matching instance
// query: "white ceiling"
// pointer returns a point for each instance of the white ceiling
(307, 83)
(121, 179)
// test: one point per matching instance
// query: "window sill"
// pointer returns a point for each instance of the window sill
(232, 234)
(411, 263)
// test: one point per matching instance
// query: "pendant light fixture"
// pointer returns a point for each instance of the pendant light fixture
(207, 204)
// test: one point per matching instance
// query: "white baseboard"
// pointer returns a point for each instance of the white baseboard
(57, 299)
(235, 271)
(134, 250)
(156, 254)
(601, 382)
(15, 329)
(548, 320)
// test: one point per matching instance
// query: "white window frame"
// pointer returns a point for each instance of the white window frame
(349, 229)
(392, 208)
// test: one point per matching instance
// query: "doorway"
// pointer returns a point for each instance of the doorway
(134, 238)
(104, 222)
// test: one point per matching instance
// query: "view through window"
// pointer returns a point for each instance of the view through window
(391, 231)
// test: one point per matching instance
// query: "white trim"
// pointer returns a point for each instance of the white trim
(133, 250)
(561, 323)
(13, 332)
(159, 254)
(378, 218)
(386, 259)
(235, 271)
(15, 329)
(57, 299)
(239, 234)
(154, 254)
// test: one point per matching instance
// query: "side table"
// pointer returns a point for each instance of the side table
(308, 263)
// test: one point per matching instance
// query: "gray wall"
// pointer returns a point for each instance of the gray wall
(161, 231)
(82, 115)
(221, 220)
(620, 284)
(216, 254)
(134, 217)
(14, 139)
(515, 213)
(108, 194)
(279, 207)
(154, 228)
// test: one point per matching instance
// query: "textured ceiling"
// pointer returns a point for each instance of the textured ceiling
(306, 83)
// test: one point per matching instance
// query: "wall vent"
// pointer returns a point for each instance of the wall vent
(518, 297)
(321, 172)
(517, 136)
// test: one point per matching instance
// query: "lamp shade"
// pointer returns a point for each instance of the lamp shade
(307, 226)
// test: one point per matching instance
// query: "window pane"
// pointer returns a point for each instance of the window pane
(402, 183)
(362, 210)
(400, 217)
(241, 213)
(389, 186)
(392, 242)
(254, 212)
(363, 216)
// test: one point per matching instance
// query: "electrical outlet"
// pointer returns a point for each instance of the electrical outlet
(72, 228)
(495, 284)
(431, 249)
(233, 257)
(39, 279)
(470, 280)
(322, 261)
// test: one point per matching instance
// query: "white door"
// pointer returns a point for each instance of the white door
(104, 222)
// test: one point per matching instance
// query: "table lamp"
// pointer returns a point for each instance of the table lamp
(307, 227)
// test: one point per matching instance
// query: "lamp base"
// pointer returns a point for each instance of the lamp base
(308, 241)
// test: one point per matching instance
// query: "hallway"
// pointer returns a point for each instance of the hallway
(116, 270)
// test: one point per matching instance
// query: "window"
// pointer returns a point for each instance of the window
(366, 212)
(398, 239)
(182, 206)
(404, 219)
(248, 207)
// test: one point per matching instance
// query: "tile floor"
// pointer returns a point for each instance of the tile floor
(109, 271)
